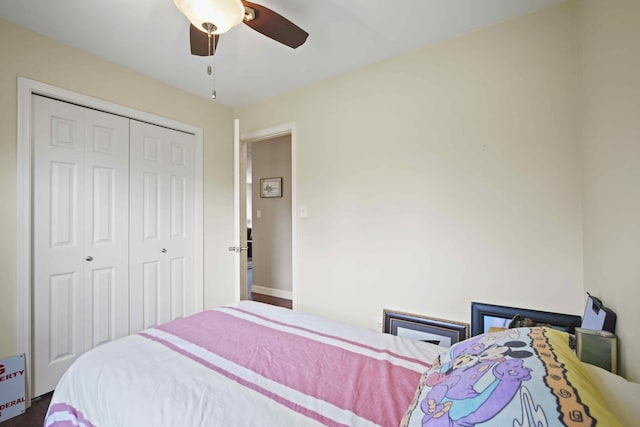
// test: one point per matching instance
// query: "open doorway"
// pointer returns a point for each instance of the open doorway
(269, 218)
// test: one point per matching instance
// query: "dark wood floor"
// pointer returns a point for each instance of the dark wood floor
(36, 413)
(280, 302)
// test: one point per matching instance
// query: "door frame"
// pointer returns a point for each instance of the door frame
(258, 136)
(24, 243)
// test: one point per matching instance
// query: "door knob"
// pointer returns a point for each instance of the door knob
(89, 258)
(237, 249)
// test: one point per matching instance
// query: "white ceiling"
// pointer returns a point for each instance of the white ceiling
(152, 37)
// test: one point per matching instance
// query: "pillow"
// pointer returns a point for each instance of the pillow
(515, 377)
(621, 395)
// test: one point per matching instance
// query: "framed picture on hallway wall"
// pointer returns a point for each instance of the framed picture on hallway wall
(271, 187)
(443, 333)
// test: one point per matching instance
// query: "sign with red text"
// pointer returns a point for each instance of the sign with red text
(12, 387)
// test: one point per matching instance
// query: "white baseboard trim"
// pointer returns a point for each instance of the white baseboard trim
(278, 293)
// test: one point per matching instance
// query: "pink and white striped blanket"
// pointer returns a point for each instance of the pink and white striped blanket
(249, 364)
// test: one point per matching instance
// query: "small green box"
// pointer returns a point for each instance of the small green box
(599, 348)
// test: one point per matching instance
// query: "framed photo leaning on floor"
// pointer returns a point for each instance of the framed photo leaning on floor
(443, 333)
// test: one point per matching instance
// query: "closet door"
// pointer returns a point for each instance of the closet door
(80, 234)
(106, 237)
(162, 225)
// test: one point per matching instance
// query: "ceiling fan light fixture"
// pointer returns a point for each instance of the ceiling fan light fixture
(223, 14)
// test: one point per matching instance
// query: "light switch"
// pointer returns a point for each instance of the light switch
(303, 211)
(259, 213)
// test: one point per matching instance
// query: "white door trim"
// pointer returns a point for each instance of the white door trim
(26, 88)
(274, 132)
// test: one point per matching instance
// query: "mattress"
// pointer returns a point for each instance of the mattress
(252, 364)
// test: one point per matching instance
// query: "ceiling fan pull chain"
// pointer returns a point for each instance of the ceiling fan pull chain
(210, 68)
(211, 71)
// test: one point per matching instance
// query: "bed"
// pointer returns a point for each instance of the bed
(252, 364)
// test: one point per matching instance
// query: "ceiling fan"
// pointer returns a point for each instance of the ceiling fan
(210, 18)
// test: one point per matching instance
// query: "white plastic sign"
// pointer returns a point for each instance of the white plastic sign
(12, 387)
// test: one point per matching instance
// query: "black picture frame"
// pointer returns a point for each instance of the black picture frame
(484, 316)
(441, 332)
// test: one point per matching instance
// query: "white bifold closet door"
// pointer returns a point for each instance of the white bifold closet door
(113, 231)
(162, 224)
(80, 234)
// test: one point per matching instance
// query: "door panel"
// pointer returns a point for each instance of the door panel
(64, 198)
(150, 275)
(106, 237)
(178, 207)
(104, 316)
(80, 209)
(177, 268)
(62, 315)
(65, 130)
(151, 206)
(103, 205)
(239, 227)
(58, 133)
(162, 225)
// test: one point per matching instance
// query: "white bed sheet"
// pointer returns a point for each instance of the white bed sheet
(622, 396)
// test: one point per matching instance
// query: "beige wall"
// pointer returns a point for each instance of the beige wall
(272, 231)
(445, 176)
(610, 87)
(24, 53)
(449, 175)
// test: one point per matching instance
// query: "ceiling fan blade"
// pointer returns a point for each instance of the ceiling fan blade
(200, 42)
(276, 26)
